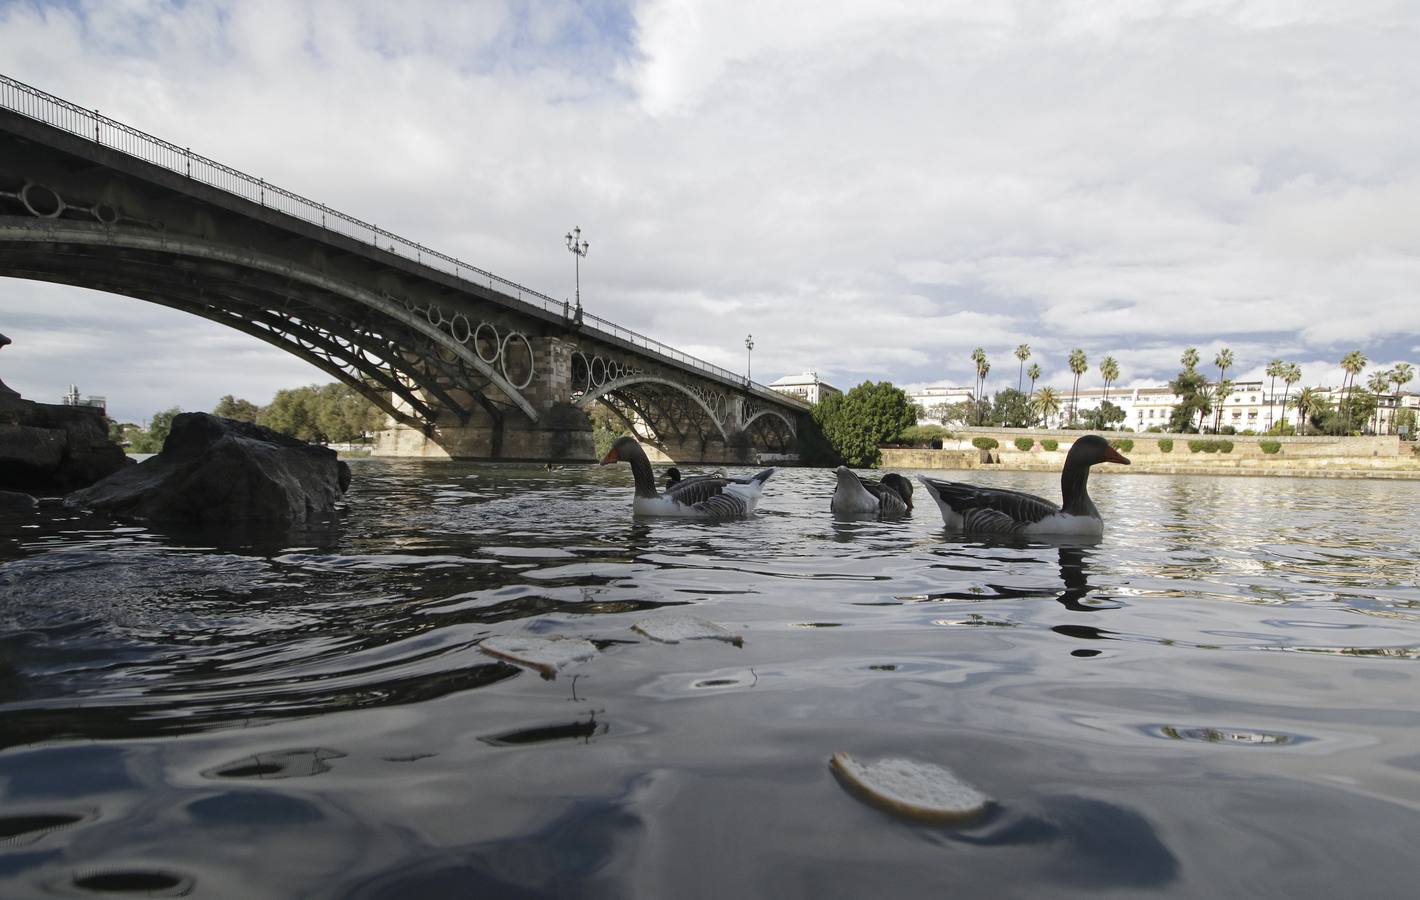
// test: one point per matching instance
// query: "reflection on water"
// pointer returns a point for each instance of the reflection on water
(1189, 706)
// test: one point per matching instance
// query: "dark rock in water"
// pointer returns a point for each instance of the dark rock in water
(49, 447)
(216, 470)
(12, 502)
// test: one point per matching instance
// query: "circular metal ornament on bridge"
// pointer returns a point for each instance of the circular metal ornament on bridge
(41, 201)
(581, 372)
(454, 323)
(598, 380)
(434, 314)
(107, 215)
(503, 352)
(482, 339)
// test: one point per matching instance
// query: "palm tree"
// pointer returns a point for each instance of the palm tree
(1275, 368)
(1023, 352)
(1190, 358)
(1222, 392)
(1224, 361)
(981, 404)
(1307, 401)
(1207, 394)
(1353, 363)
(978, 359)
(1109, 370)
(1078, 365)
(1291, 374)
(1400, 376)
(1034, 374)
(1379, 384)
(1045, 403)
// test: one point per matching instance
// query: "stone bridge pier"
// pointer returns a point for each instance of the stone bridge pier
(540, 366)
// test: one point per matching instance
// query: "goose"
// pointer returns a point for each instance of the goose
(968, 507)
(698, 497)
(857, 496)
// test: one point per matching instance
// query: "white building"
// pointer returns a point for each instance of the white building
(937, 395)
(807, 386)
(72, 398)
(1248, 408)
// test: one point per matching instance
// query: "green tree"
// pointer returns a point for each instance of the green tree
(230, 407)
(1190, 359)
(152, 440)
(1022, 354)
(952, 413)
(1405, 424)
(1010, 408)
(606, 428)
(1193, 397)
(1045, 403)
(858, 421)
(344, 415)
(1307, 403)
(293, 411)
(1106, 417)
(1078, 366)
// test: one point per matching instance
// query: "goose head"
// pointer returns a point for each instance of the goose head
(1090, 449)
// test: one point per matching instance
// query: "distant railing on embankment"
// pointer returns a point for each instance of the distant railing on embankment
(1311, 456)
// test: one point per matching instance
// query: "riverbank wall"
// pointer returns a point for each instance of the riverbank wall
(1320, 456)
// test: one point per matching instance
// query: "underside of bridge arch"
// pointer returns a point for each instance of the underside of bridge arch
(668, 416)
(771, 431)
(400, 355)
(685, 423)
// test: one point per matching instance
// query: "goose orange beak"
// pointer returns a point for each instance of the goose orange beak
(1114, 456)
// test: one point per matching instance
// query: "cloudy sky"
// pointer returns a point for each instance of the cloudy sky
(871, 189)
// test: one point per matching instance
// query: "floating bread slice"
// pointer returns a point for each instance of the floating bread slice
(912, 789)
(546, 655)
(674, 629)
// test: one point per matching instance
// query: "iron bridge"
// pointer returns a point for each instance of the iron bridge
(464, 363)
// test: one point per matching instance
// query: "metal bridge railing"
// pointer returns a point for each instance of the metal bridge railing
(33, 103)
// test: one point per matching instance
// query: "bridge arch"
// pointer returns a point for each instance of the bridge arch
(289, 305)
(788, 423)
(652, 409)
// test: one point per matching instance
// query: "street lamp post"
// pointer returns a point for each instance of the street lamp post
(579, 250)
(749, 359)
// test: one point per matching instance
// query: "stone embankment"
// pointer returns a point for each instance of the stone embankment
(1384, 456)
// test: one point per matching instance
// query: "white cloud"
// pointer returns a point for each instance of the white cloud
(871, 189)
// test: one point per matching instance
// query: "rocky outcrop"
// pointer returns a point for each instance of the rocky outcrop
(215, 470)
(47, 448)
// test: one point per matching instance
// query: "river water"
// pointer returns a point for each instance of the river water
(1219, 698)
